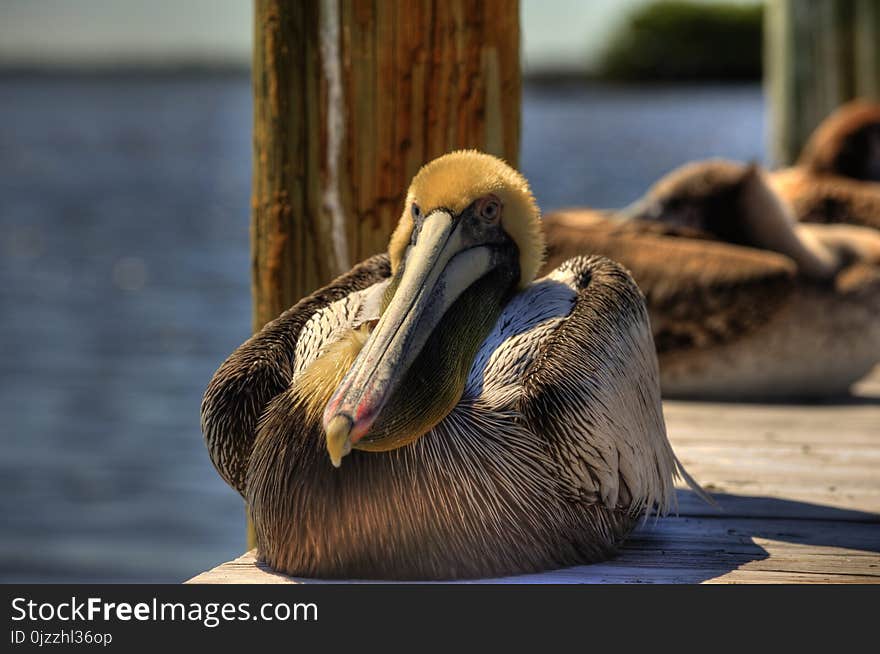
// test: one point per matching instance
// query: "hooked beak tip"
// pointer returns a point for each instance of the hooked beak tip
(338, 438)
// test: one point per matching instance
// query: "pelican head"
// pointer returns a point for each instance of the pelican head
(469, 237)
(705, 196)
(736, 203)
(847, 143)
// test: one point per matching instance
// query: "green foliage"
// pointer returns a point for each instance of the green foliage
(674, 40)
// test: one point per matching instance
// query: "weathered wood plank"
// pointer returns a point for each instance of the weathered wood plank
(854, 424)
(797, 461)
(243, 570)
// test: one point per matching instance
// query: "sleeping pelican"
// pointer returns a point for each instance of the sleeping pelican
(837, 177)
(435, 413)
(745, 303)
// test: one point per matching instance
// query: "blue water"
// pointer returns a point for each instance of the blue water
(124, 282)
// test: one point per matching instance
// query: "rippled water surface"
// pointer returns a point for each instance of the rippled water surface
(124, 281)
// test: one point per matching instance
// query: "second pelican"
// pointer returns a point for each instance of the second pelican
(837, 177)
(745, 303)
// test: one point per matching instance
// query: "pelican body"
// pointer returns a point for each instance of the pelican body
(837, 176)
(436, 413)
(745, 303)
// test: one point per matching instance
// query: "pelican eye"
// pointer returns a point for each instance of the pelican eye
(416, 212)
(490, 210)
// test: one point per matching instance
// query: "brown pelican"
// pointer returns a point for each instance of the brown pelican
(745, 303)
(837, 177)
(435, 413)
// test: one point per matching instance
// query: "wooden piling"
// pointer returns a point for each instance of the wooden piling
(350, 98)
(818, 55)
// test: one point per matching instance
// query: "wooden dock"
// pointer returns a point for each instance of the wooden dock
(799, 494)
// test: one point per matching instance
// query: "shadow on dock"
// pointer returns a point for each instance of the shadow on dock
(703, 542)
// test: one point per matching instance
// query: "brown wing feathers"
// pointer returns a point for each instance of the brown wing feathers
(699, 293)
(260, 369)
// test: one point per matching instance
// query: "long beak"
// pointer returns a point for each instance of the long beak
(437, 268)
